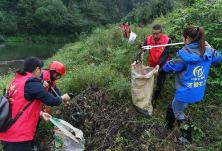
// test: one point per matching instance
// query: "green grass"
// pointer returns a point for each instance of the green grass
(5, 80)
(42, 38)
(1, 147)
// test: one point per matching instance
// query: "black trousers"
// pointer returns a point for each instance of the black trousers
(161, 79)
(16, 146)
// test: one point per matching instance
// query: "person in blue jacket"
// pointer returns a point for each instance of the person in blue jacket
(192, 64)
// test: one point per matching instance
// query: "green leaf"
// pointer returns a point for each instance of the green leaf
(195, 128)
(148, 133)
(206, 32)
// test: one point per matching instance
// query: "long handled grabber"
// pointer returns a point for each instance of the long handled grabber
(50, 84)
(173, 44)
(71, 95)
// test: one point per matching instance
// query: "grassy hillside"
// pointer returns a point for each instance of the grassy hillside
(103, 60)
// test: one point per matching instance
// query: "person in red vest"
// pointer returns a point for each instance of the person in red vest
(157, 56)
(55, 71)
(125, 30)
(28, 87)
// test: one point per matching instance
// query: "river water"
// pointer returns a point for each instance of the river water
(12, 54)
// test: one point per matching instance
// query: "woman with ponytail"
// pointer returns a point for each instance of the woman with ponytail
(24, 88)
(192, 64)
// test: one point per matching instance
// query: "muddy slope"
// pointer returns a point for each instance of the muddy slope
(111, 124)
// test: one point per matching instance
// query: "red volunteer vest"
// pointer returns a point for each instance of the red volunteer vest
(155, 54)
(46, 77)
(127, 30)
(24, 128)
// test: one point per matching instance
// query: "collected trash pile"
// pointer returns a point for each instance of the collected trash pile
(109, 124)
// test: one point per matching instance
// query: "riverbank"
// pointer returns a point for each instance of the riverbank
(13, 53)
(29, 38)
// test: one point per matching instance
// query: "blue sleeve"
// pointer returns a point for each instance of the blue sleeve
(57, 91)
(165, 55)
(35, 90)
(144, 44)
(176, 64)
(41, 77)
(216, 58)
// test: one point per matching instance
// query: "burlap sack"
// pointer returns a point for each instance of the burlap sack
(142, 81)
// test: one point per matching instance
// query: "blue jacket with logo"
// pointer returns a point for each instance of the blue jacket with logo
(191, 71)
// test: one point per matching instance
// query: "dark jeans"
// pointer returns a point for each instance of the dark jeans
(161, 79)
(16, 146)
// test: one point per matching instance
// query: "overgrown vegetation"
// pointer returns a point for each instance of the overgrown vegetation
(63, 20)
(150, 10)
(106, 47)
(103, 61)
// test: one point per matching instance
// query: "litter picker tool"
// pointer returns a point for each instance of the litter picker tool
(50, 84)
(71, 95)
(173, 44)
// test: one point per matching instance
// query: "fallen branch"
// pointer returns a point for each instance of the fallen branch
(167, 137)
(122, 121)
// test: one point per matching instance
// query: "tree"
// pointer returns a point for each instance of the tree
(24, 11)
(149, 11)
(50, 14)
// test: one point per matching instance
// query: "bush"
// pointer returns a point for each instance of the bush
(2, 38)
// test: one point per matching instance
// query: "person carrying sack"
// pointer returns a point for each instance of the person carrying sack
(192, 64)
(28, 87)
(125, 30)
(157, 57)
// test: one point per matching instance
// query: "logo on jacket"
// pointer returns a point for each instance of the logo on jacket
(161, 49)
(198, 81)
(198, 71)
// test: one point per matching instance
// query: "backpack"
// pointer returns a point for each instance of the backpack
(6, 120)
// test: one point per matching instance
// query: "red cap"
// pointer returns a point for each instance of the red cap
(58, 67)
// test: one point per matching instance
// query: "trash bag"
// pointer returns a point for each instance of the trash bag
(142, 84)
(132, 37)
(64, 139)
